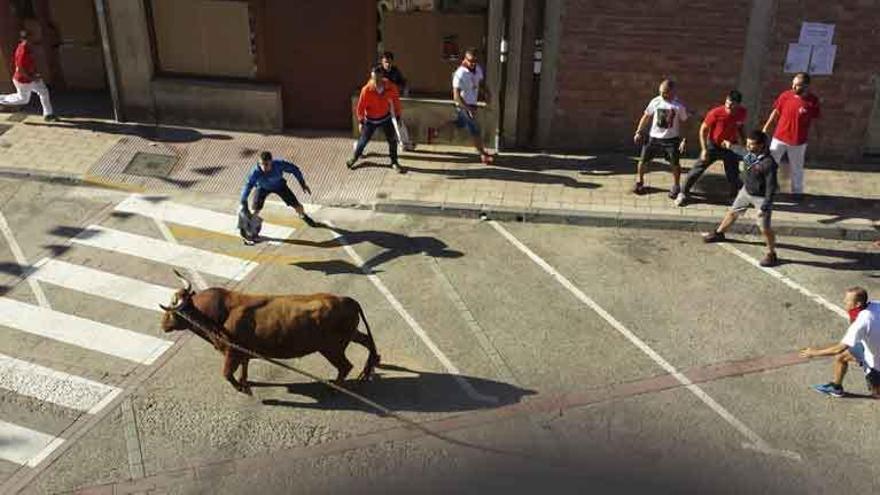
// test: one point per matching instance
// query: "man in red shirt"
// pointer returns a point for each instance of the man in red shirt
(795, 109)
(27, 80)
(723, 124)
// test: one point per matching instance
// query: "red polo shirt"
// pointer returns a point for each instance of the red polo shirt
(25, 60)
(795, 115)
(724, 125)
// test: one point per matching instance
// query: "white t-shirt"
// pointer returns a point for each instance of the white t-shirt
(469, 83)
(668, 116)
(866, 330)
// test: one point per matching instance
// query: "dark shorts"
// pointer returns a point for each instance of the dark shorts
(285, 193)
(463, 120)
(667, 147)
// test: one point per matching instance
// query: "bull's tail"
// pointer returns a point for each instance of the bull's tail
(374, 358)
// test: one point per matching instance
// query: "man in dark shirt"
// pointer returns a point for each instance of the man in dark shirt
(393, 74)
(760, 184)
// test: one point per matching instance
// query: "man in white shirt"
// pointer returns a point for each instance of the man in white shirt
(860, 345)
(666, 114)
(466, 83)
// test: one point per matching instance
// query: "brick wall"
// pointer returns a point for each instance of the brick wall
(847, 96)
(613, 54)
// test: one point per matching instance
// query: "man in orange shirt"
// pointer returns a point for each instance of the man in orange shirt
(27, 80)
(378, 99)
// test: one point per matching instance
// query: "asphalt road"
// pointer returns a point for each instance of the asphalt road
(544, 357)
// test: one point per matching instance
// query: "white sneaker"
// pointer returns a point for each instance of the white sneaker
(680, 199)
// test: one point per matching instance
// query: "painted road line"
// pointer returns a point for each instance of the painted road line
(194, 275)
(755, 442)
(102, 284)
(25, 446)
(413, 324)
(165, 252)
(48, 385)
(191, 216)
(81, 332)
(787, 281)
(22, 261)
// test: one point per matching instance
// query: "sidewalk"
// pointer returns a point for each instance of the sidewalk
(440, 180)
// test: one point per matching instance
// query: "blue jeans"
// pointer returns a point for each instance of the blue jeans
(367, 133)
(462, 119)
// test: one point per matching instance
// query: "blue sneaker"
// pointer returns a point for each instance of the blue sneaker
(829, 388)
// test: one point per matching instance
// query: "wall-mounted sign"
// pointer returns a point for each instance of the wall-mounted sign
(816, 33)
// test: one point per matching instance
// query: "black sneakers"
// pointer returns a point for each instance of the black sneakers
(770, 259)
(715, 236)
(350, 162)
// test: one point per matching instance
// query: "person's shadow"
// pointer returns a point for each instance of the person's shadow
(846, 260)
(153, 133)
(394, 246)
(423, 391)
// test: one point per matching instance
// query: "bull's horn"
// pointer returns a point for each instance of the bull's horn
(165, 308)
(187, 285)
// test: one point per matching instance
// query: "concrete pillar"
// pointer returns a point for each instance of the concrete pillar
(759, 38)
(493, 68)
(130, 38)
(516, 19)
(553, 12)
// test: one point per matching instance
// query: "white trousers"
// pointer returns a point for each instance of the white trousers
(23, 92)
(794, 168)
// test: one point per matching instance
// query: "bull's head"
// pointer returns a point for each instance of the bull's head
(182, 298)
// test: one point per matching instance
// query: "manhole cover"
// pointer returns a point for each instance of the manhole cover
(150, 164)
(17, 117)
(4, 128)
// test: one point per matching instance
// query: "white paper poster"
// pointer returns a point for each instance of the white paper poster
(815, 33)
(798, 58)
(822, 61)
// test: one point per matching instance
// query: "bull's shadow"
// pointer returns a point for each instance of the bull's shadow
(395, 245)
(422, 391)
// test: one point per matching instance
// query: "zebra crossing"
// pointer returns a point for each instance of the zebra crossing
(23, 445)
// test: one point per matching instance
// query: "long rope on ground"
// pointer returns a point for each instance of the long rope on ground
(209, 331)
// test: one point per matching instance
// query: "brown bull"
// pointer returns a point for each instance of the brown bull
(282, 327)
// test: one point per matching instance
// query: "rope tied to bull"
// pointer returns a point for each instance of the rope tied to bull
(208, 329)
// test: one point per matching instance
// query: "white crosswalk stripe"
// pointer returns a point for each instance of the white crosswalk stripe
(103, 284)
(48, 385)
(25, 446)
(190, 216)
(165, 252)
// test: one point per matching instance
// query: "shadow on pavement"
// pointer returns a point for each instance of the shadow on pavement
(502, 174)
(395, 245)
(840, 207)
(423, 392)
(151, 132)
(850, 260)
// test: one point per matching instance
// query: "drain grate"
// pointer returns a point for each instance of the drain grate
(150, 164)
(17, 117)
(4, 128)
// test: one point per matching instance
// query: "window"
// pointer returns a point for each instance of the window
(204, 37)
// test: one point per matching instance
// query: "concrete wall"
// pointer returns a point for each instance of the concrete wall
(611, 56)
(219, 105)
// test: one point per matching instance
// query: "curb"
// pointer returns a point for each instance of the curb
(621, 220)
(532, 215)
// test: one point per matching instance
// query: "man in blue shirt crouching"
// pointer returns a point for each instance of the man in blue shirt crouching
(268, 178)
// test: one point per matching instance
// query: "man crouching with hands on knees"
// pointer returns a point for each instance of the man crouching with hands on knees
(268, 178)
(860, 344)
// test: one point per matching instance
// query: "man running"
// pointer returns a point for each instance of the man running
(27, 80)
(860, 345)
(467, 81)
(378, 99)
(268, 178)
(759, 174)
(666, 114)
(722, 123)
